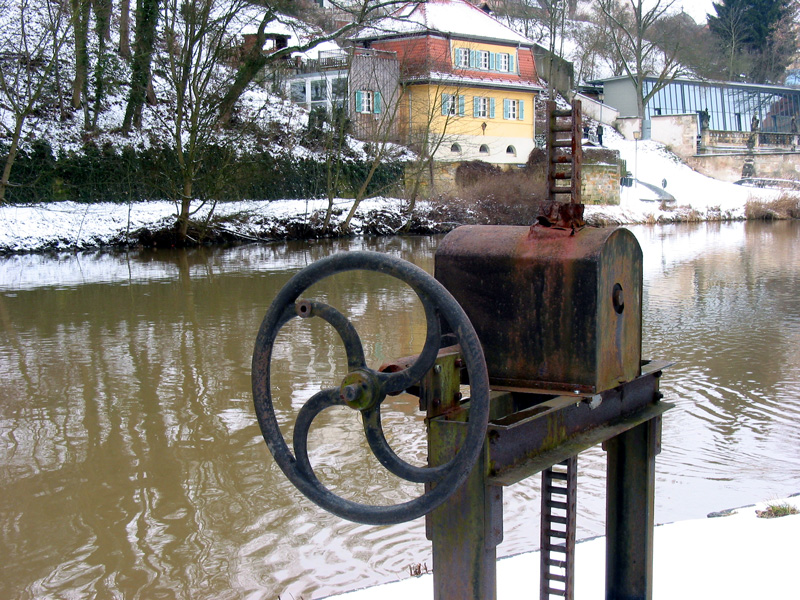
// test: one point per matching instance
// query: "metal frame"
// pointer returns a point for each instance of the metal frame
(529, 433)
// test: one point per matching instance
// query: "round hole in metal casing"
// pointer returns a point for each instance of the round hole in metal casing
(617, 299)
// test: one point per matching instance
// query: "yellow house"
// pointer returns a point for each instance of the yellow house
(467, 81)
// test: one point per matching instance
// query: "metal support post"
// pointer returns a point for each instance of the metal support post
(467, 528)
(630, 495)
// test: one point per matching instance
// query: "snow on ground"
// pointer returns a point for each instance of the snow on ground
(64, 226)
(735, 557)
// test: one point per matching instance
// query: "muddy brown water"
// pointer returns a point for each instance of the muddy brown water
(131, 464)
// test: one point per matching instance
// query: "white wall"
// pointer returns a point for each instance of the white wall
(597, 110)
(679, 132)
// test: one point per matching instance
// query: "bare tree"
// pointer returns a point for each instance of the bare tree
(197, 38)
(29, 51)
(358, 13)
(631, 29)
(733, 29)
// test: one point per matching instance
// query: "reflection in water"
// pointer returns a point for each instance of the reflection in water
(131, 464)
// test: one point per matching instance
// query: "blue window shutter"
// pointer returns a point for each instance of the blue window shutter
(358, 101)
(521, 110)
(505, 108)
(491, 108)
(445, 102)
(461, 106)
(377, 107)
(511, 64)
(472, 58)
(492, 60)
(476, 105)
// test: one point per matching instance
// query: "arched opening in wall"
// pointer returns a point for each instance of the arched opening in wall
(484, 149)
(455, 148)
(511, 150)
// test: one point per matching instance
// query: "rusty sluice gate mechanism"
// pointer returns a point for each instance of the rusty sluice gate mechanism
(545, 325)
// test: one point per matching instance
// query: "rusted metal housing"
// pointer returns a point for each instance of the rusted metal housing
(554, 309)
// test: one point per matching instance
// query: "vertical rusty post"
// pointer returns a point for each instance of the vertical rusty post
(577, 152)
(630, 492)
(467, 528)
(557, 548)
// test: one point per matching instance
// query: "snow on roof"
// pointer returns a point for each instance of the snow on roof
(295, 30)
(477, 80)
(454, 17)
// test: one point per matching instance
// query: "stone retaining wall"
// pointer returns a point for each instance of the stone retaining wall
(728, 166)
(599, 182)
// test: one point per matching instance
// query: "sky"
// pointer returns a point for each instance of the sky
(697, 9)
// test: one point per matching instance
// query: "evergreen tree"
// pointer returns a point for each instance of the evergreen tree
(754, 34)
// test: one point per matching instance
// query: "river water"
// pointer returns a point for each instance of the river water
(131, 464)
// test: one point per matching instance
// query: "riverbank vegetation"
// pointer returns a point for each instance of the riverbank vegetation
(786, 206)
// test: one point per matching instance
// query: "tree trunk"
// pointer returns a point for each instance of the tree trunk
(251, 64)
(146, 21)
(12, 155)
(186, 202)
(125, 29)
(80, 20)
(102, 10)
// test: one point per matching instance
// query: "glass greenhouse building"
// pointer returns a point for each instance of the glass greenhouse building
(730, 106)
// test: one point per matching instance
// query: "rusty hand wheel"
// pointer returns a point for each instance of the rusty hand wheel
(364, 389)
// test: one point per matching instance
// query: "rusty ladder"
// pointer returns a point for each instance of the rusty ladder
(564, 152)
(557, 552)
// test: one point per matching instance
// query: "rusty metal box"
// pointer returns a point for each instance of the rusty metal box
(554, 309)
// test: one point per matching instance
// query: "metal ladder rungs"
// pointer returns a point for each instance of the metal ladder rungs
(557, 534)
(557, 560)
(564, 148)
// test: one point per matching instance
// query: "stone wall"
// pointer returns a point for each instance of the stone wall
(600, 183)
(728, 166)
(627, 126)
(677, 132)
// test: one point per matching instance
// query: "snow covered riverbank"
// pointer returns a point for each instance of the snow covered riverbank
(736, 557)
(67, 226)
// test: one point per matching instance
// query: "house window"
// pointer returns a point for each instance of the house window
(339, 88)
(462, 57)
(503, 62)
(483, 57)
(513, 109)
(319, 90)
(511, 150)
(455, 148)
(483, 108)
(484, 149)
(368, 101)
(297, 92)
(452, 105)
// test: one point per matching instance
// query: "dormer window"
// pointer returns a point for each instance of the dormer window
(462, 58)
(503, 62)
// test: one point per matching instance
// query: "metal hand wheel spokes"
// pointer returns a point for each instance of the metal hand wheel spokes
(365, 389)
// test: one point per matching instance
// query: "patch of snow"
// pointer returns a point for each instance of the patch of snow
(737, 557)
